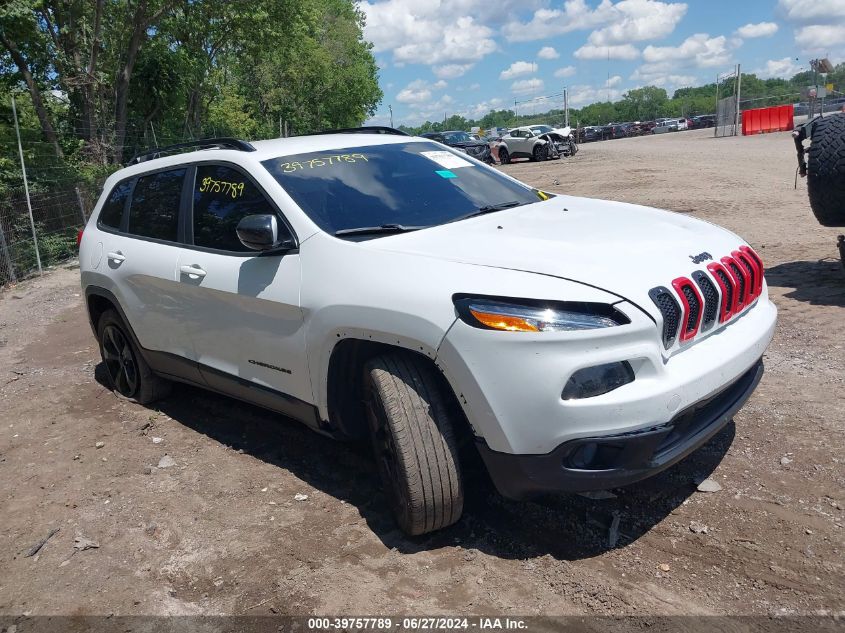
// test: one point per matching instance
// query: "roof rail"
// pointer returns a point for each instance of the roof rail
(203, 143)
(367, 129)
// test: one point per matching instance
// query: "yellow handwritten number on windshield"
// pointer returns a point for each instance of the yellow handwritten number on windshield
(322, 161)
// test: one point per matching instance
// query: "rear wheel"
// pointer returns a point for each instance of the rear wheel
(413, 442)
(129, 375)
(826, 170)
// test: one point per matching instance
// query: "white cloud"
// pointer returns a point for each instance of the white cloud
(566, 71)
(620, 51)
(819, 37)
(425, 33)
(419, 92)
(451, 71)
(698, 50)
(820, 24)
(478, 110)
(761, 29)
(613, 81)
(548, 52)
(582, 95)
(475, 86)
(786, 67)
(550, 22)
(517, 69)
(638, 21)
(812, 11)
(527, 86)
(663, 79)
(414, 95)
(623, 22)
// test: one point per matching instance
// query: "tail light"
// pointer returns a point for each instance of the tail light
(79, 237)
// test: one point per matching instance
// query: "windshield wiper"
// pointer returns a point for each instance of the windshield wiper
(382, 228)
(490, 208)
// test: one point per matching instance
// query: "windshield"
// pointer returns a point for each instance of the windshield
(457, 137)
(542, 129)
(415, 184)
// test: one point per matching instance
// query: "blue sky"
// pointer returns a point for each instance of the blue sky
(469, 56)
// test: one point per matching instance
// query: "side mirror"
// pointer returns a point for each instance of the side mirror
(260, 232)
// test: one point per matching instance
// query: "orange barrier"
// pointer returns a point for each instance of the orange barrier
(763, 120)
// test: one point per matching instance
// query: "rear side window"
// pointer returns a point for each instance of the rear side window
(154, 211)
(222, 197)
(112, 212)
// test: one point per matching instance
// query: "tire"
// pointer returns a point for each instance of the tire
(504, 156)
(413, 442)
(129, 375)
(539, 153)
(826, 170)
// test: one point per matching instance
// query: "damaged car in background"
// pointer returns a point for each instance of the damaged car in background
(463, 142)
(537, 143)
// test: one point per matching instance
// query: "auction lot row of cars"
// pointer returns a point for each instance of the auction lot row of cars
(543, 142)
(641, 128)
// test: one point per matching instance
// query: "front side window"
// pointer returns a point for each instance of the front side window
(111, 214)
(222, 197)
(412, 184)
(154, 210)
(457, 137)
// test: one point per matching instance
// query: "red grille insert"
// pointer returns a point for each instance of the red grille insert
(761, 271)
(691, 305)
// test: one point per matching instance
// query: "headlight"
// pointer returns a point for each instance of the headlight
(528, 315)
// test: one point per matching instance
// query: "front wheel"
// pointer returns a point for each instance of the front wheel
(504, 156)
(129, 375)
(540, 153)
(413, 442)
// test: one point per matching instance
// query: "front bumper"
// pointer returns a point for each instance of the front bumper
(610, 461)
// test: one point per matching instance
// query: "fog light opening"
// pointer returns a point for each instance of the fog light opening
(597, 380)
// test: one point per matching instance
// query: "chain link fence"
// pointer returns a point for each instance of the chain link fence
(57, 216)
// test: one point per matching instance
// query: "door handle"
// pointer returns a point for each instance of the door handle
(193, 271)
(116, 257)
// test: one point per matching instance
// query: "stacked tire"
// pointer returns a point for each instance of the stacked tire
(826, 170)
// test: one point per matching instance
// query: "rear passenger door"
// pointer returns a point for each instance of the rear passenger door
(141, 252)
(242, 308)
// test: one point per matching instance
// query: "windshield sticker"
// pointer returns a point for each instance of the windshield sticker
(234, 189)
(445, 173)
(447, 159)
(322, 161)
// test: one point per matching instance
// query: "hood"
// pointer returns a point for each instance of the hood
(624, 249)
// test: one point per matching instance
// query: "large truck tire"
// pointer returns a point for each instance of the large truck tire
(826, 170)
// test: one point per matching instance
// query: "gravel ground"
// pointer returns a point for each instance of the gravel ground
(215, 528)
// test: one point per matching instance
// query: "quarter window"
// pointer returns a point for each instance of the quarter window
(222, 197)
(111, 214)
(154, 211)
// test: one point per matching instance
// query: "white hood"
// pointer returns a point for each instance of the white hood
(622, 248)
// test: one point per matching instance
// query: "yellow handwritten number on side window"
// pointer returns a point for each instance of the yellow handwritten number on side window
(233, 189)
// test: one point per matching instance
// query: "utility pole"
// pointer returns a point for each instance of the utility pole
(565, 108)
(390, 107)
(738, 91)
(26, 189)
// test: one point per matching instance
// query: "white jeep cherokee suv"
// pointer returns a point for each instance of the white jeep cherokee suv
(383, 286)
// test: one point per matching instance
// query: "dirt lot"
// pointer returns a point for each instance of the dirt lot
(219, 532)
